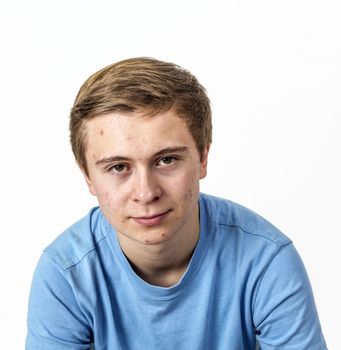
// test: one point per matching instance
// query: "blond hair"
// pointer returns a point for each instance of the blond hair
(142, 85)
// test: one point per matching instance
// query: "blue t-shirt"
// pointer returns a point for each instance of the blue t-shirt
(245, 284)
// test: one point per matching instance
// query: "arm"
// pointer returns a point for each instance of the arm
(55, 320)
(284, 311)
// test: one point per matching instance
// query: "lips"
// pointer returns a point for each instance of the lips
(151, 220)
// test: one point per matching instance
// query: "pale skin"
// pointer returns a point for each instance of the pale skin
(145, 173)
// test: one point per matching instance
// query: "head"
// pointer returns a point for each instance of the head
(140, 131)
(145, 86)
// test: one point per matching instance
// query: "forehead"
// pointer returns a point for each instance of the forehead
(136, 134)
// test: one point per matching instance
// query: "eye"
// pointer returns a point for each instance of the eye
(118, 168)
(164, 161)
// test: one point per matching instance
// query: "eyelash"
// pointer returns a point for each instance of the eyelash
(126, 167)
(172, 158)
(114, 170)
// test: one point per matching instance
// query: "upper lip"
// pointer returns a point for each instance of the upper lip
(150, 216)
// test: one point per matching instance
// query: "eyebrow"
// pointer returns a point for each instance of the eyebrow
(167, 150)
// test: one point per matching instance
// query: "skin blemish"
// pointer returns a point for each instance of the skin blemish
(101, 132)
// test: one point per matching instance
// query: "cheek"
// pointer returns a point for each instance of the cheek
(108, 199)
(106, 196)
(110, 196)
(187, 186)
(107, 191)
(112, 207)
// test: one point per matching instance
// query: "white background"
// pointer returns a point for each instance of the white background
(272, 71)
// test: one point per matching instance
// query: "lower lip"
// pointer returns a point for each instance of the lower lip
(155, 220)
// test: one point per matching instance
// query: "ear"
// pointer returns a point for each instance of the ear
(203, 163)
(89, 183)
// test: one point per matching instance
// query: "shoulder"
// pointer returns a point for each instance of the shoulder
(227, 216)
(79, 240)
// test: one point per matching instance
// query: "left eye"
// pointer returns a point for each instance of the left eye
(166, 160)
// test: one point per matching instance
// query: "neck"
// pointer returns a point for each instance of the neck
(163, 264)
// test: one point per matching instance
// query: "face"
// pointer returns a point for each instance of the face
(145, 172)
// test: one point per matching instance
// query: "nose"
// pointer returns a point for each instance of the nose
(145, 188)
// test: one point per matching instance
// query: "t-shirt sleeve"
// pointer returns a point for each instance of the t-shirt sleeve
(55, 320)
(284, 311)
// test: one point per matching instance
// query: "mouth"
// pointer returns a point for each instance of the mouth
(151, 220)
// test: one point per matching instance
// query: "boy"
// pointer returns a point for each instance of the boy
(159, 265)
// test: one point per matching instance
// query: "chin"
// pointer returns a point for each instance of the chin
(148, 236)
